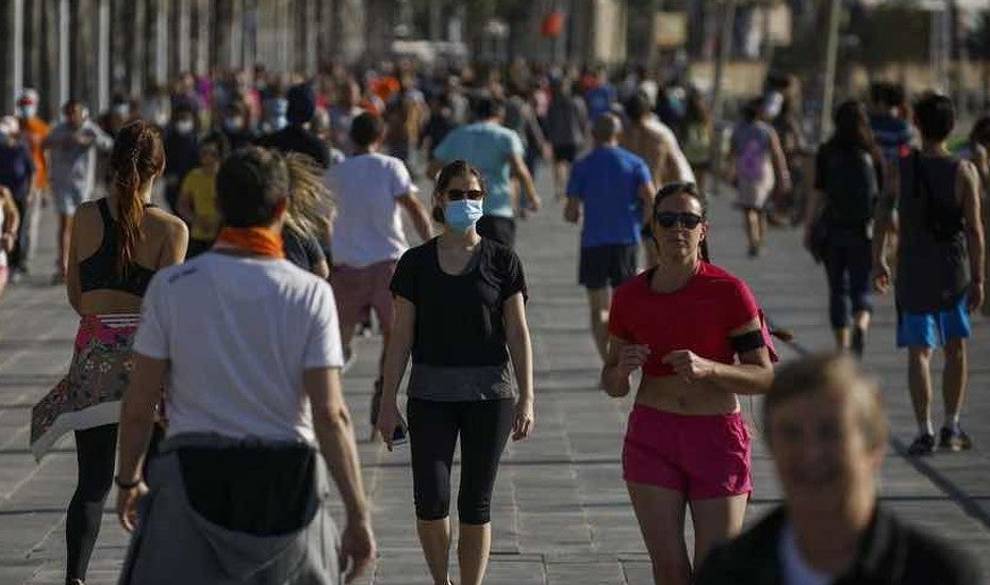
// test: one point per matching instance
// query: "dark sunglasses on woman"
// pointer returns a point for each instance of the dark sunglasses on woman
(669, 219)
(458, 194)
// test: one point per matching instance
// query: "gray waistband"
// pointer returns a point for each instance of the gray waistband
(454, 384)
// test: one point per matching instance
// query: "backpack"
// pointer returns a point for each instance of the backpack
(851, 187)
(751, 164)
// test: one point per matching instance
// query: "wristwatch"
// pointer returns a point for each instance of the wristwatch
(126, 485)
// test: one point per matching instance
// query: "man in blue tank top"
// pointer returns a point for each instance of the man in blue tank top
(939, 270)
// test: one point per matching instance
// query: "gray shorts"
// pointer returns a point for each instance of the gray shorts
(68, 199)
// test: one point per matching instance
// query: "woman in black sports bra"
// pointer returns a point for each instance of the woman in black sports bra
(117, 245)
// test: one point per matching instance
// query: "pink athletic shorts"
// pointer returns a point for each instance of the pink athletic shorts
(705, 456)
(360, 290)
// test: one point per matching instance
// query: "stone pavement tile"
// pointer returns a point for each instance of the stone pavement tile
(600, 573)
(637, 572)
(19, 572)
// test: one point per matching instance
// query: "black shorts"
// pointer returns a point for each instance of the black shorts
(499, 229)
(611, 264)
(564, 152)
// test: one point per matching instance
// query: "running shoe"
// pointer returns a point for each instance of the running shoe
(923, 445)
(16, 276)
(954, 441)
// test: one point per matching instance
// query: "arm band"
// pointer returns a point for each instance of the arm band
(747, 341)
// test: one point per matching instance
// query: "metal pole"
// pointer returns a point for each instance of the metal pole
(15, 80)
(204, 17)
(184, 39)
(724, 52)
(831, 58)
(63, 52)
(103, 55)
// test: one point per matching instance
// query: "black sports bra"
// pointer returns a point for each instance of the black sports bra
(98, 271)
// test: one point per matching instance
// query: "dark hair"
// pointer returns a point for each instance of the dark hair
(936, 116)
(697, 110)
(71, 105)
(366, 129)
(250, 184)
(302, 104)
(852, 130)
(981, 131)
(457, 168)
(637, 106)
(219, 140)
(684, 188)
(487, 107)
(138, 155)
(885, 93)
(751, 109)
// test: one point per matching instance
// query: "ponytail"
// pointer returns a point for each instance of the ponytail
(137, 157)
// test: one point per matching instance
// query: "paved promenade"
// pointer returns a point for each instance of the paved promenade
(561, 512)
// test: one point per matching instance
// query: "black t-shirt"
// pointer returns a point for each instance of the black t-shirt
(459, 317)
(303, 250)
(298, 139)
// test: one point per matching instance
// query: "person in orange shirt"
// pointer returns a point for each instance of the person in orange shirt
(34, 130)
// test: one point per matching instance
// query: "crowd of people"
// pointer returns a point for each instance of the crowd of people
(282, 237)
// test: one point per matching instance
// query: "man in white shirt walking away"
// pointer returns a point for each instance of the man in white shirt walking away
(371, 190)
(249, 348)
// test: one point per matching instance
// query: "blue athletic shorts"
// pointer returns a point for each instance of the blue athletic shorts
(933, 329)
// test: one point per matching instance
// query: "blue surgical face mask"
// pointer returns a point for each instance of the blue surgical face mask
(462, 214)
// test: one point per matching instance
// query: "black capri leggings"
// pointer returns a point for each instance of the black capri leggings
(96, 450)
(484, 427)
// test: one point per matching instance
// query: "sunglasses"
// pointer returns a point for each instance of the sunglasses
(669, 219)
(458, 194)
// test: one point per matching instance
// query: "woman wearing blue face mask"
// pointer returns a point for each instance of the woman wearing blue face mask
(460, 312)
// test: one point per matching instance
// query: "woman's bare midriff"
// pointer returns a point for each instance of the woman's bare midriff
(675, 394)
(108, 302)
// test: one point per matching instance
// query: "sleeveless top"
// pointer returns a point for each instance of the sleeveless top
(98, 272)
(933, 262)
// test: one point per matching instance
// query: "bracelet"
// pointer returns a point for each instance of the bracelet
(124, 485)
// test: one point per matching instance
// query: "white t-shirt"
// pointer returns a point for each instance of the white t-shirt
(795, 569)
(239, 332)
(368, 228)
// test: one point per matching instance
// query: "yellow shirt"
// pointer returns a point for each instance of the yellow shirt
(202, 189)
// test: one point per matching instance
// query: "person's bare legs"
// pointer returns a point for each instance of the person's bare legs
(474, 543)
(434, 537)
(716, 520)
(843, 338)
(751, 224)
(64, 235)
(920, 384)
(660, 512)
(561, 169)
(954, 378)
(599, 300)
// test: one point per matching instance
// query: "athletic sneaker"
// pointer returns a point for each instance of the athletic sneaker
(954, 441)
(923, 445)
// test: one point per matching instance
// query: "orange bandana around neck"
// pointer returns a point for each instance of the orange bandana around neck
(257, 240)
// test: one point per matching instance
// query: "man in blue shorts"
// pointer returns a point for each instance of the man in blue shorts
(611, 187)
(940, 267)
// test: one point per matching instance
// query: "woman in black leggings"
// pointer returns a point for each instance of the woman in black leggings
(117, 245)
(460, 311)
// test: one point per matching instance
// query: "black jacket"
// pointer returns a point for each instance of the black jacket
(891, 553)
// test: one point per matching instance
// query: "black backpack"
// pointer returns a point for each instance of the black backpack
(851, 187)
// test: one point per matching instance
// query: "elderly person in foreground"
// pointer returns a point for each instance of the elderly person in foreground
(827, 432)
